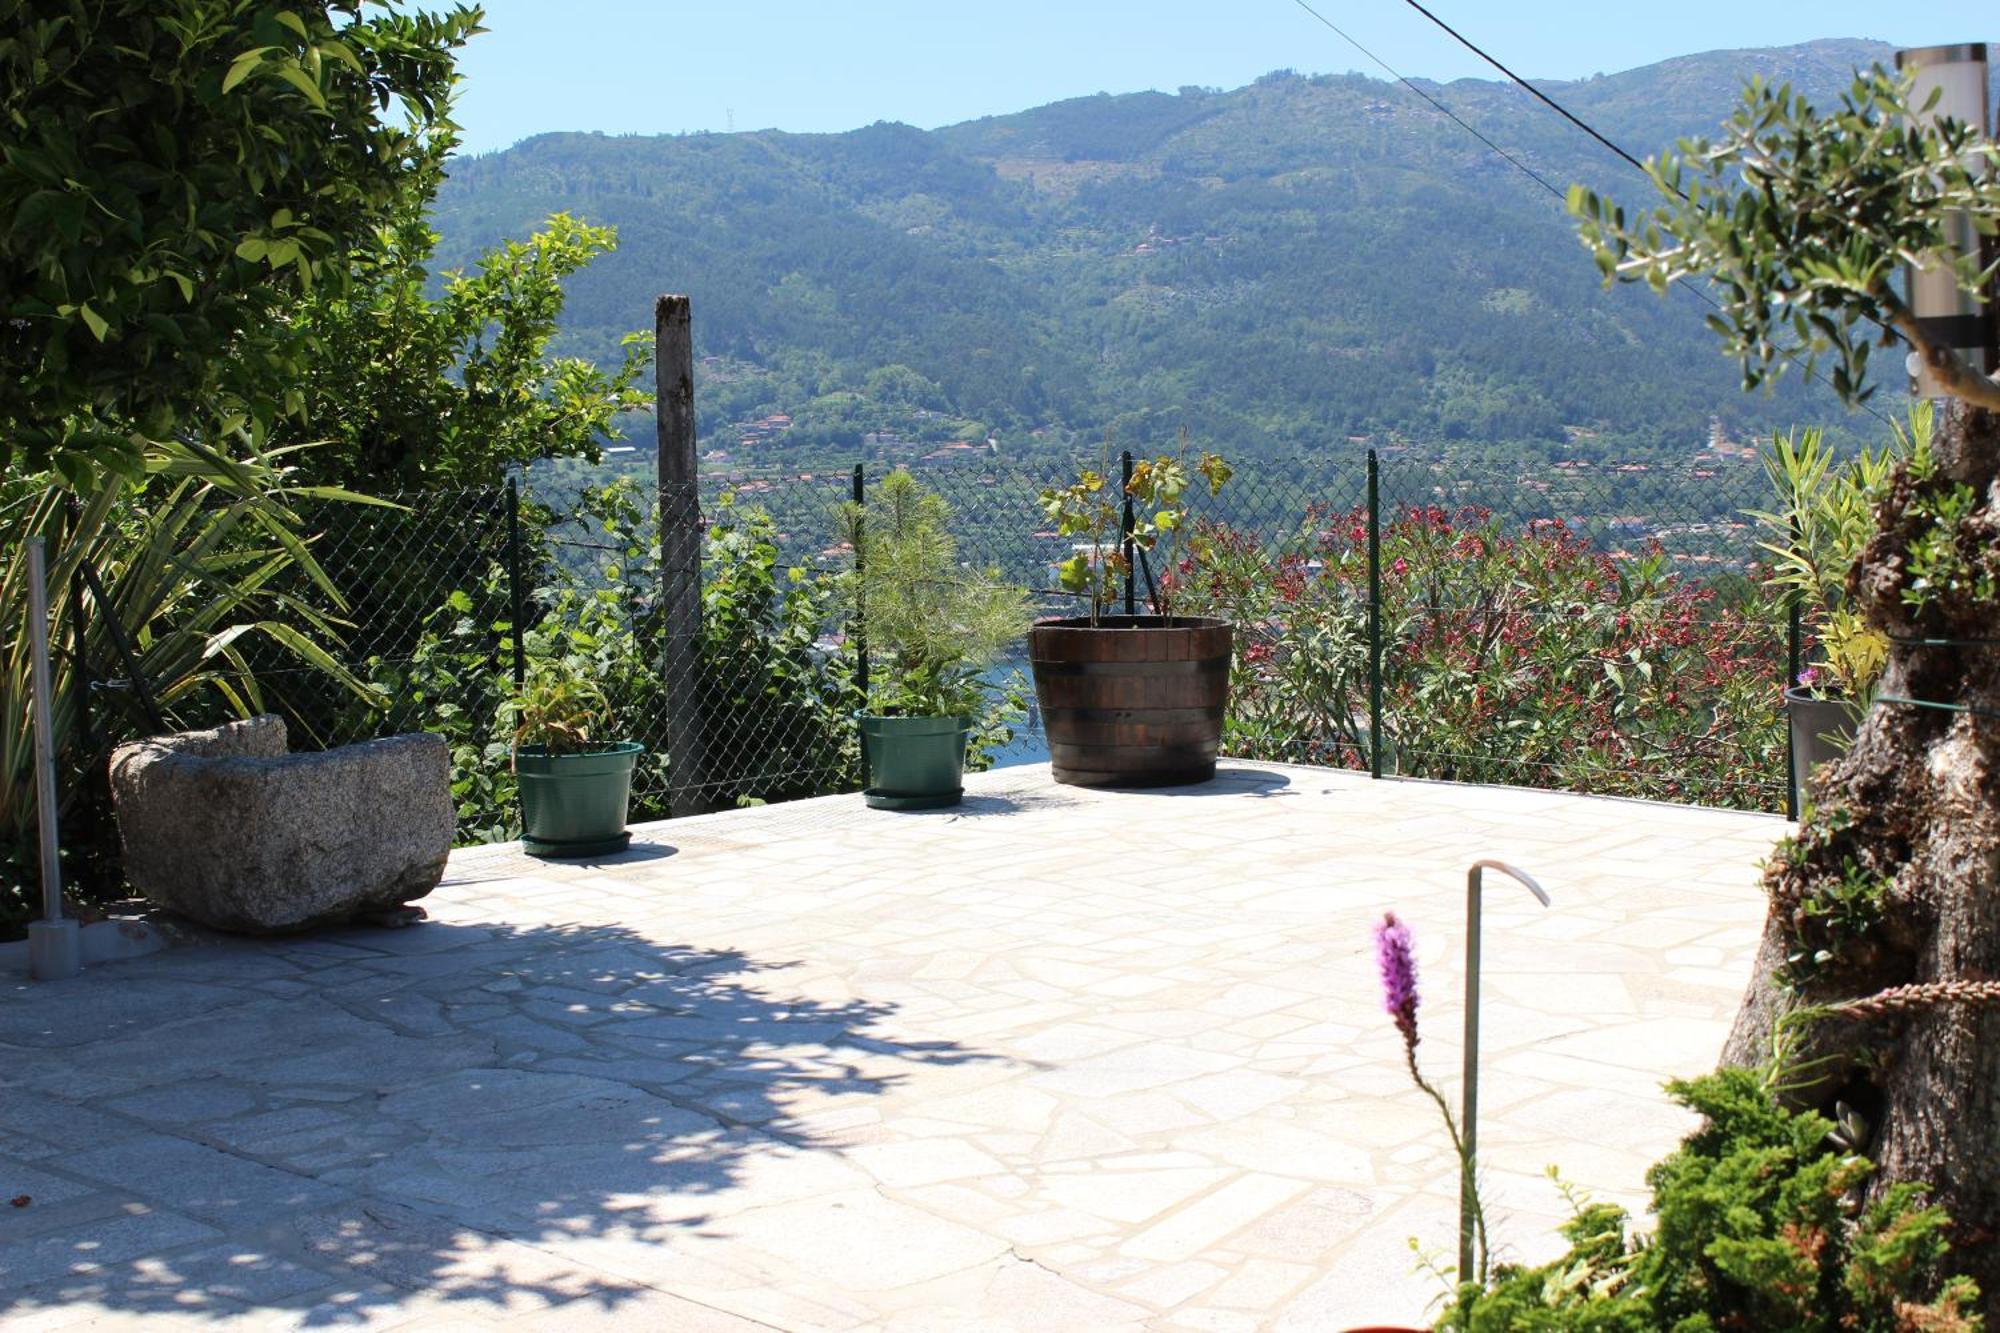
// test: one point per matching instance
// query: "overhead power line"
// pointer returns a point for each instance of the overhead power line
(1523, 167)
(1537, 93)
(1443, 109)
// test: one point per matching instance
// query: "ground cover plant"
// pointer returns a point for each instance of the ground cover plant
(1762, 1219)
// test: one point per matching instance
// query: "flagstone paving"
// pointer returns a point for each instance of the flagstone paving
(1054, 1060)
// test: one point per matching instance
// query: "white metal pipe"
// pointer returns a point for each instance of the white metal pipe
(1468, 1107)
(1951, 316)
(45, 756)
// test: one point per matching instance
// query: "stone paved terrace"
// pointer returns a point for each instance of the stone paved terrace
(1055, 1060)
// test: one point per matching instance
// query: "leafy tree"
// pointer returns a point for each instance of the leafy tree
(174, 175)
(175, 172)
(412, 390)
(1801, 220)
(1804, 223)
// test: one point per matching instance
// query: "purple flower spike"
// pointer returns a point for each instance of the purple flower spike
(1399, 975)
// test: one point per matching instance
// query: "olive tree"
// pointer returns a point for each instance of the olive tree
(1876, 979)
(172, 174)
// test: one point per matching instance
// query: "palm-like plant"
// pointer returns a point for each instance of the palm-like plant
(1824, 516)
(187, 568)
(935, 623)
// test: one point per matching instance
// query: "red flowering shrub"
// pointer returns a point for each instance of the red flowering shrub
(1517, 656)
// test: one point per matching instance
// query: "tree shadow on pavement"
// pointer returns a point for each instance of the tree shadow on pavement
(480, 1120)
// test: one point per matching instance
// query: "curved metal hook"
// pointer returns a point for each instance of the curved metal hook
(1516, 872)
(1468, 1117)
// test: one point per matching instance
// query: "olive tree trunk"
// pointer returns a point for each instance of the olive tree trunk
(1894, 880)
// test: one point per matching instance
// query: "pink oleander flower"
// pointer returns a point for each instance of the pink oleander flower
(1393, 954)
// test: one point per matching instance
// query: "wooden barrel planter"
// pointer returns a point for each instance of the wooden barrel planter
(1136, 701)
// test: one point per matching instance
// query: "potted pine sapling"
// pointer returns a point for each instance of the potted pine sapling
(575, 785)
(932, 627)
(1130, 700)
(1824, 515)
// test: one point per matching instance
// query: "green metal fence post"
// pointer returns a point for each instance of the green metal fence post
(516, 601)
(1374, 616)
(1125, 532)
(860, 495)
(860, 607)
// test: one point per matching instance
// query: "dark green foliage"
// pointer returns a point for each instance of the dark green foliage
(777, 710)
(1275, 267)
(778, 707)
(411, 387)
(1802, 221)
(174, 174)
(1757, 1230)
(1842, 910)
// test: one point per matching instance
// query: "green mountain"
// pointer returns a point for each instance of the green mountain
(1288, 266)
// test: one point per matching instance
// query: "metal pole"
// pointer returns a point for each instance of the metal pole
(517, 603)
(860, 566)
(1952, 318)
(55, 948)
(1125, 534)
(1374, 616)
(860, 493)
(1468, 1112)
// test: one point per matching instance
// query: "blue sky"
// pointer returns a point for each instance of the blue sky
(660, 67)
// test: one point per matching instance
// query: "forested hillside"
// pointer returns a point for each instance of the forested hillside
(1288, 266)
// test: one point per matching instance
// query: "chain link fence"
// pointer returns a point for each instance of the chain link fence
(1586, 627)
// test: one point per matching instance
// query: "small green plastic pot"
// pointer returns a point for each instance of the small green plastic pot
(914, 763)
(575, 804)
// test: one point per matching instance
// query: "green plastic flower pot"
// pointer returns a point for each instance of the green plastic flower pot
(575, 804)
(914, 763)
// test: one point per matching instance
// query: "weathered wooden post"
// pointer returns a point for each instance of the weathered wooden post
(680, 551)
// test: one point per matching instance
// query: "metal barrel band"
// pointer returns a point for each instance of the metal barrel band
(1189, 666)
(1163, 717)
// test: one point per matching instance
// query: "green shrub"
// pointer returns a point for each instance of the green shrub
(933, 622)
(1758, 1228)
(777, 701)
